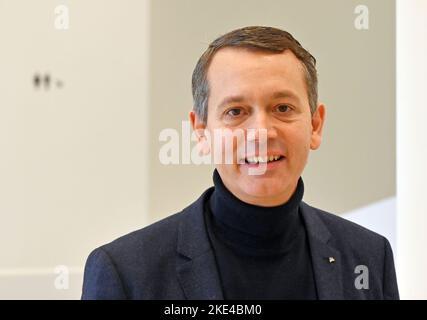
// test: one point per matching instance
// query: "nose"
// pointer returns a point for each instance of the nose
(262, 127)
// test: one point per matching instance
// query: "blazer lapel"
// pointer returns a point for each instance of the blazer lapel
(196, 266)
(326, 260)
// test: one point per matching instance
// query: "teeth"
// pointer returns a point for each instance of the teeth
(254, 160)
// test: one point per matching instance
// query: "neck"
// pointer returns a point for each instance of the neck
(253, 218)
(262, 201)
(270, 201)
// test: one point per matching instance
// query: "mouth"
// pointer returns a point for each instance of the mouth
(267, 159)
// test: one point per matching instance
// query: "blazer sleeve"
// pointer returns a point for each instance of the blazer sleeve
(390, 289)
(101, 280)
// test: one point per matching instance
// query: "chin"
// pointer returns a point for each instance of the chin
(263, 190)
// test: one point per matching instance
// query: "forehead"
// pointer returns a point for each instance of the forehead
(250, 72)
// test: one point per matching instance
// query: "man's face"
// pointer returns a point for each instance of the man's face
(261, 90)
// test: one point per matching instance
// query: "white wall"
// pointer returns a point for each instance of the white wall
(412, 148)
(73, 158)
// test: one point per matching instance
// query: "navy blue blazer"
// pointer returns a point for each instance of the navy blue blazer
(173, 259)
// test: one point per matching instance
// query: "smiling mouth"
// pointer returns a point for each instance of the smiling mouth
(267, 159)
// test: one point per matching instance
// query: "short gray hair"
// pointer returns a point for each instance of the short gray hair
(256, 38)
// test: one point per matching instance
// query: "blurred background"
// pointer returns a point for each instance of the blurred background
(86, 88)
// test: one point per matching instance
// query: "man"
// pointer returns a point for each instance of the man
(250, 236)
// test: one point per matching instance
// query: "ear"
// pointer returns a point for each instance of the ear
(199, 128)
(317, 121)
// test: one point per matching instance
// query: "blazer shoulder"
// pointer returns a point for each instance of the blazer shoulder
(154, 237)
(348, 232)
(157, 240)
(119, 269)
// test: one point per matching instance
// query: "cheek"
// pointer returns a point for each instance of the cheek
(297, 143)
(227, 144)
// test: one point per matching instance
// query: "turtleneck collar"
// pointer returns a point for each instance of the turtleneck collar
(243, 224)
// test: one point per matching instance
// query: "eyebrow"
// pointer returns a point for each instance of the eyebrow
(275, 95)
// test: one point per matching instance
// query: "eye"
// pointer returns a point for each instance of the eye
(234, 112)
(283, 108)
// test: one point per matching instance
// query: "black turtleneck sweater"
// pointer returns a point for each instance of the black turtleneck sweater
(261, 252)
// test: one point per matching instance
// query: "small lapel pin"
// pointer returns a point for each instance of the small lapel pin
(331, 259)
